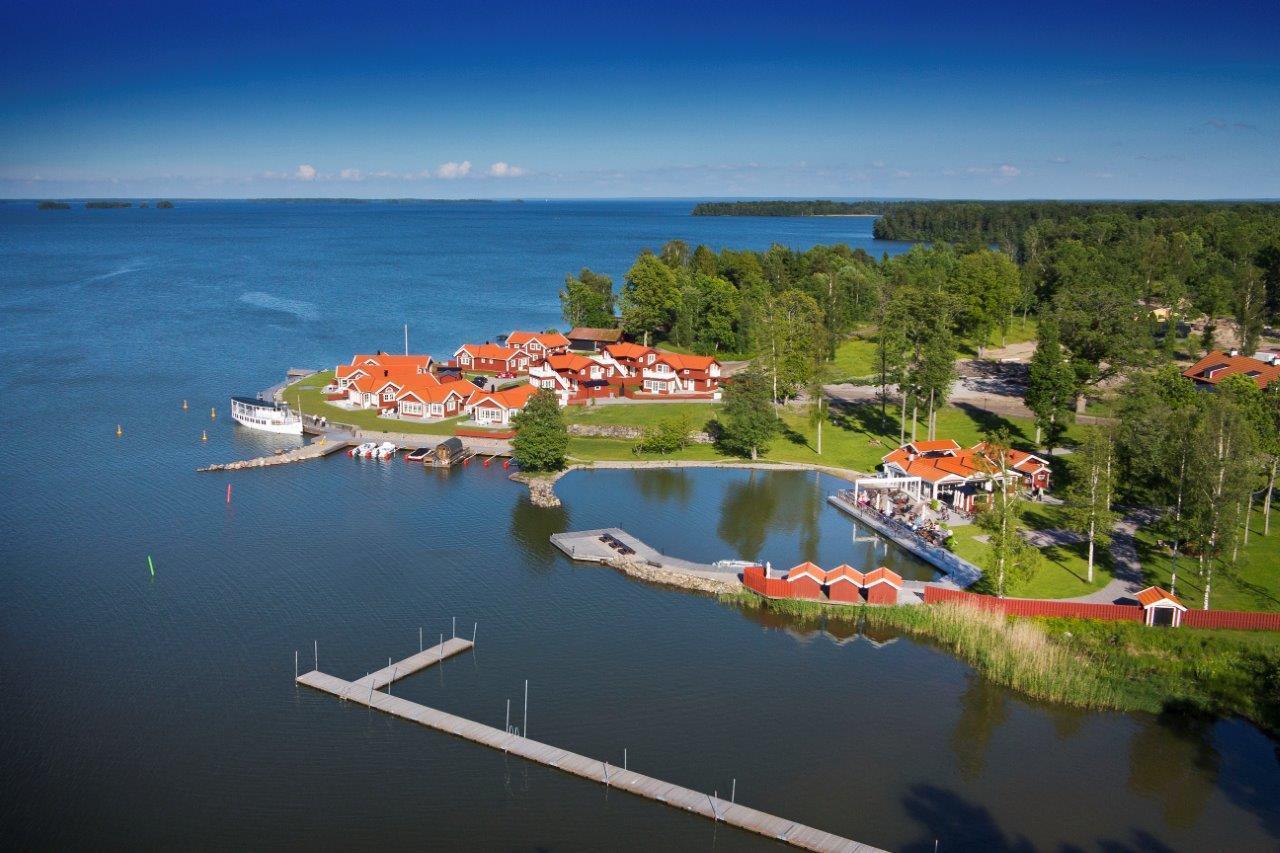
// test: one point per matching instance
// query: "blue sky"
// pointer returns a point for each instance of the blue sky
(557, 99)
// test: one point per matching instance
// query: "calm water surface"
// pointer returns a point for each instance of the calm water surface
(161, 712)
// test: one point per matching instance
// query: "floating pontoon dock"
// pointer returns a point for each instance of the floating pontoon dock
(365, 692)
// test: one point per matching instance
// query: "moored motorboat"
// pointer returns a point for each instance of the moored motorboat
(362, 450)
(417, 454)
(384, 451)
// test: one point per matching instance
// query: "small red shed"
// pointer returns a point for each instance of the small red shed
(844, 584)
(806, 580)
(1160, 607)
(882, 586)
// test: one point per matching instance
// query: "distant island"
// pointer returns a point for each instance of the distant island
(979, 222)
(53, 205)
(164, 205)
(106, 205)
(789, 208)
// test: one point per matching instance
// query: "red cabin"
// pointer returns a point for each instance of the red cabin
(806, 580)
(844, 584)
(882, 586)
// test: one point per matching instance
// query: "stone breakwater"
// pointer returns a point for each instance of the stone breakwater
(298, 454)
(643, 571)
(542, 489)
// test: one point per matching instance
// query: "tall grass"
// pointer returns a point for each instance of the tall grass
(1088, 664)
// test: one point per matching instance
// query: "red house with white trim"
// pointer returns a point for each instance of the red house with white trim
(538, 345)
(432, 402)
(676, 374)
(491, 358)
(497, 408)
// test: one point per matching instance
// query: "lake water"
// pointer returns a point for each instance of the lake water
(161, 712)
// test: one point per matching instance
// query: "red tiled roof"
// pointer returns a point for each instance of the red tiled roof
(1154, 594)
(1217, 366)
(508, 398)
(883, 575)
(680, 361)
(807, 568)
(937, 460)
(569, 361)
(437, 393)
(632, 352)
(547, 339)
(391, 360)
(493, 352)
(845, 572)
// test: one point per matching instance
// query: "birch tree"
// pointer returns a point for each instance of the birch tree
(1088, 498)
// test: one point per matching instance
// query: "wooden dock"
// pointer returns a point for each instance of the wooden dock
(365, 692)
(585, 547)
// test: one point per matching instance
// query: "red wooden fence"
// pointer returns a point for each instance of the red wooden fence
(1034, 606)
(1238, 619)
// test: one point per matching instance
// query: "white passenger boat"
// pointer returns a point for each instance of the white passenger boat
(269, 417)
(362, 450)
(734, 564)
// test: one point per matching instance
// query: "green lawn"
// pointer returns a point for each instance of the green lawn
(1063, 570)
(855, 358)
(1253, 584)
(313, 403)
(642, 414)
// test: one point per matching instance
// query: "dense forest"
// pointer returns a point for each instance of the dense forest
(53, 205)
(789, 208)
(106, 205)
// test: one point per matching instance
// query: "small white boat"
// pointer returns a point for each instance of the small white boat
(362, 450)
(384, 451)
(734, 564)
(268, 417)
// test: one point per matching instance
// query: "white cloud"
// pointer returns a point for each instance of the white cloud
(454, 170)
(351, 175)
(306, 172)
(1008, 171)
(505, 170)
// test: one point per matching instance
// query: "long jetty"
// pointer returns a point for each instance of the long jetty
(367, 691)
(957, 570)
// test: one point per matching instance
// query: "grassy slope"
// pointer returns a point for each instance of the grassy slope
(1254, 584)
(313, 403)
(1123, 666)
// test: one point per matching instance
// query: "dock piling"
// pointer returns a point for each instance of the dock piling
(419, 638)
(507, 726)
(295, 665)
(624, 758)
(455, 626)
(733, 794)
(317, 651)
(474, 626)
(524, 721)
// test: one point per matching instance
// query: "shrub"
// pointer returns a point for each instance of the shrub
(666, 436)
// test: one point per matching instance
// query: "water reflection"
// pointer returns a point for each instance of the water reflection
(1173, 760)
(983, 709)
(531, 529)
(664, 484)
(763, 501)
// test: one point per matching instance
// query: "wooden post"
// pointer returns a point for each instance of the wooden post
(295, 664)
(733, 794)
(524, 721)
(317, 650)
(624, 758)
(473, 632)
(455, 626)
(507, 727)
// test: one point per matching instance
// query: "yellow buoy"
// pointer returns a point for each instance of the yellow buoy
(204, 435)
(119, 432)
(213, 413)
(184, 405)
